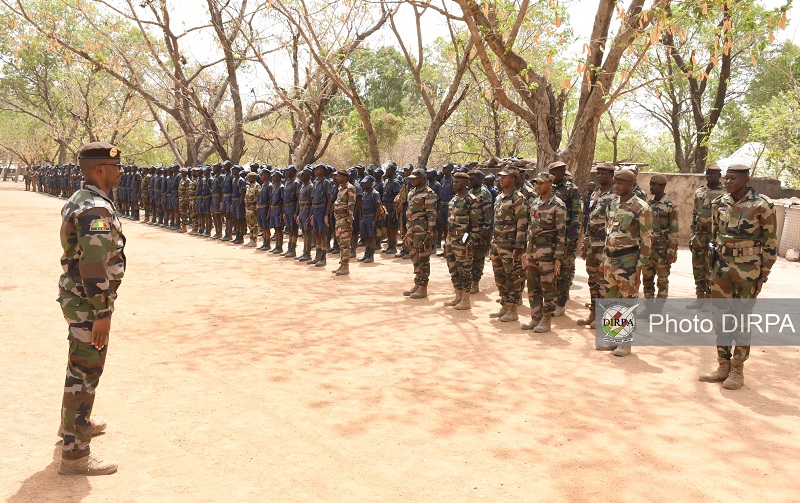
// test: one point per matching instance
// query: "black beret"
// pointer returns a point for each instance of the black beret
(98, 150)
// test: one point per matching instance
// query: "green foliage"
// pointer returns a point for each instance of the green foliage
(387, 127)
(777, 126)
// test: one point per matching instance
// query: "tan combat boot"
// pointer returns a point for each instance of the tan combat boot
(622, 351)
(421, 292)
(544, 324)
(464, 304)
(735, 379)
(408, 293)
(586, 321)
(344, 269)
(511, 314)
(98, 427)
(87, 465)
(536, 316)
(560, 310)
(475, 288)
(502, 312)
(456, 300)
(719, 375)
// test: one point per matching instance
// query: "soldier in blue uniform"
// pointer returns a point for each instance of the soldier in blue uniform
(352, 179)
(304, 217)
(276, 214)
(392, 185)
(370, 203)
(227, 188)
(321, 207)
(216, 200)
(291, 209)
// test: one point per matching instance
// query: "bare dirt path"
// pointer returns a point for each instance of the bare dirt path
(234, 375)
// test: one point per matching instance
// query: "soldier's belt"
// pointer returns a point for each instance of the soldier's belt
(739, 252)
(275, 206)
(368, 214)
(318, 206)
(289, 203)
(236, 198)
(261, 206)
(621, 253)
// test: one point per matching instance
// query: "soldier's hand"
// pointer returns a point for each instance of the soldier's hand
(100, 330)
(584, 252)
(757, 289)
(515, 254)
(673, 257)
(558, 267)
(327, 224)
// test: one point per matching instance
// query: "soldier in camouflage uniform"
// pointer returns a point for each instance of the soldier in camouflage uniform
(94, 264)
(701, 229)
(665, 240)
(629, 239)
(547, 230)
(571, 197)
(481, 243)
(343, 210)
(421, 228)
(251, 208)
(508, 245)
(184, 188)
(594, 239)
(745, 247)
(463, 226)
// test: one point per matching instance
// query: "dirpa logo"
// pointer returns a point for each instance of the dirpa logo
(619, 323)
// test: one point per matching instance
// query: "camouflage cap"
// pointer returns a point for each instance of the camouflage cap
(344, 172)
(251, 173)
(417, 173)
(625, 175)
(659, 179)
(508, 172)
(98, 150)
(543, 177)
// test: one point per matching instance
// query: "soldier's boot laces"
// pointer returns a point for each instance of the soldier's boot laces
(560, 310)
(735, 379)
(502, 312)
(464, 304)
(98, 427)
(536, 316)
(408, 293)
(322, 259)
(622, 351)
(718, 375)
(421, 292)
(544, 324)
(87, 465)
(344, 269)
(456, 300)
(511, 314)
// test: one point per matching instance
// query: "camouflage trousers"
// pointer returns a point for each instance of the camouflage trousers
(193, 212)
(541, 275)
(344, 236)
(184, 207)
(508, 274)
(564, 281)
(735, 278)
(420, 254)
(597, 283)
(478, 259)
(459, 262)
(251, 217)
(84, 368)
(700, 269)
(622, 276)
(657, 266)
(144, 203)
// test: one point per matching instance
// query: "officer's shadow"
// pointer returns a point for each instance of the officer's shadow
(49, 485)
(760, 404)
(635, 365)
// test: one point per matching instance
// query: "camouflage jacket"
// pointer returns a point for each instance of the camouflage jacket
(185, 190)
(146, 187)
(510, 221)
(665, 225)
(421, 213)
(638, 192)
(596, 221)
(345, 205)
(749, 227)
(701, 212)
(572, 199)
(93, 244)
(251, 196)
(630, 225)
(547, 227)
(483, 200)
(528, 193)
(462, 219)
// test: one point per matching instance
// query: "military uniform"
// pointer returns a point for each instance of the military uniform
(463, 227)
(421, 217)
(743, 236)
(343, 209)
(701, 231)
(484, 204)
(509, 234)
(251, 196)
(547, 230)
(94, 264)
(665, 247)
(572, 199)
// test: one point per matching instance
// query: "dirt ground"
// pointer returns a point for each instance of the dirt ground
(235, 375)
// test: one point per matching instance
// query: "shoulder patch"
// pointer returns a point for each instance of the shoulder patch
(99, 226)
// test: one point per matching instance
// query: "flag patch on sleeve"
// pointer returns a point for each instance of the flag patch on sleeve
(100, 226)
